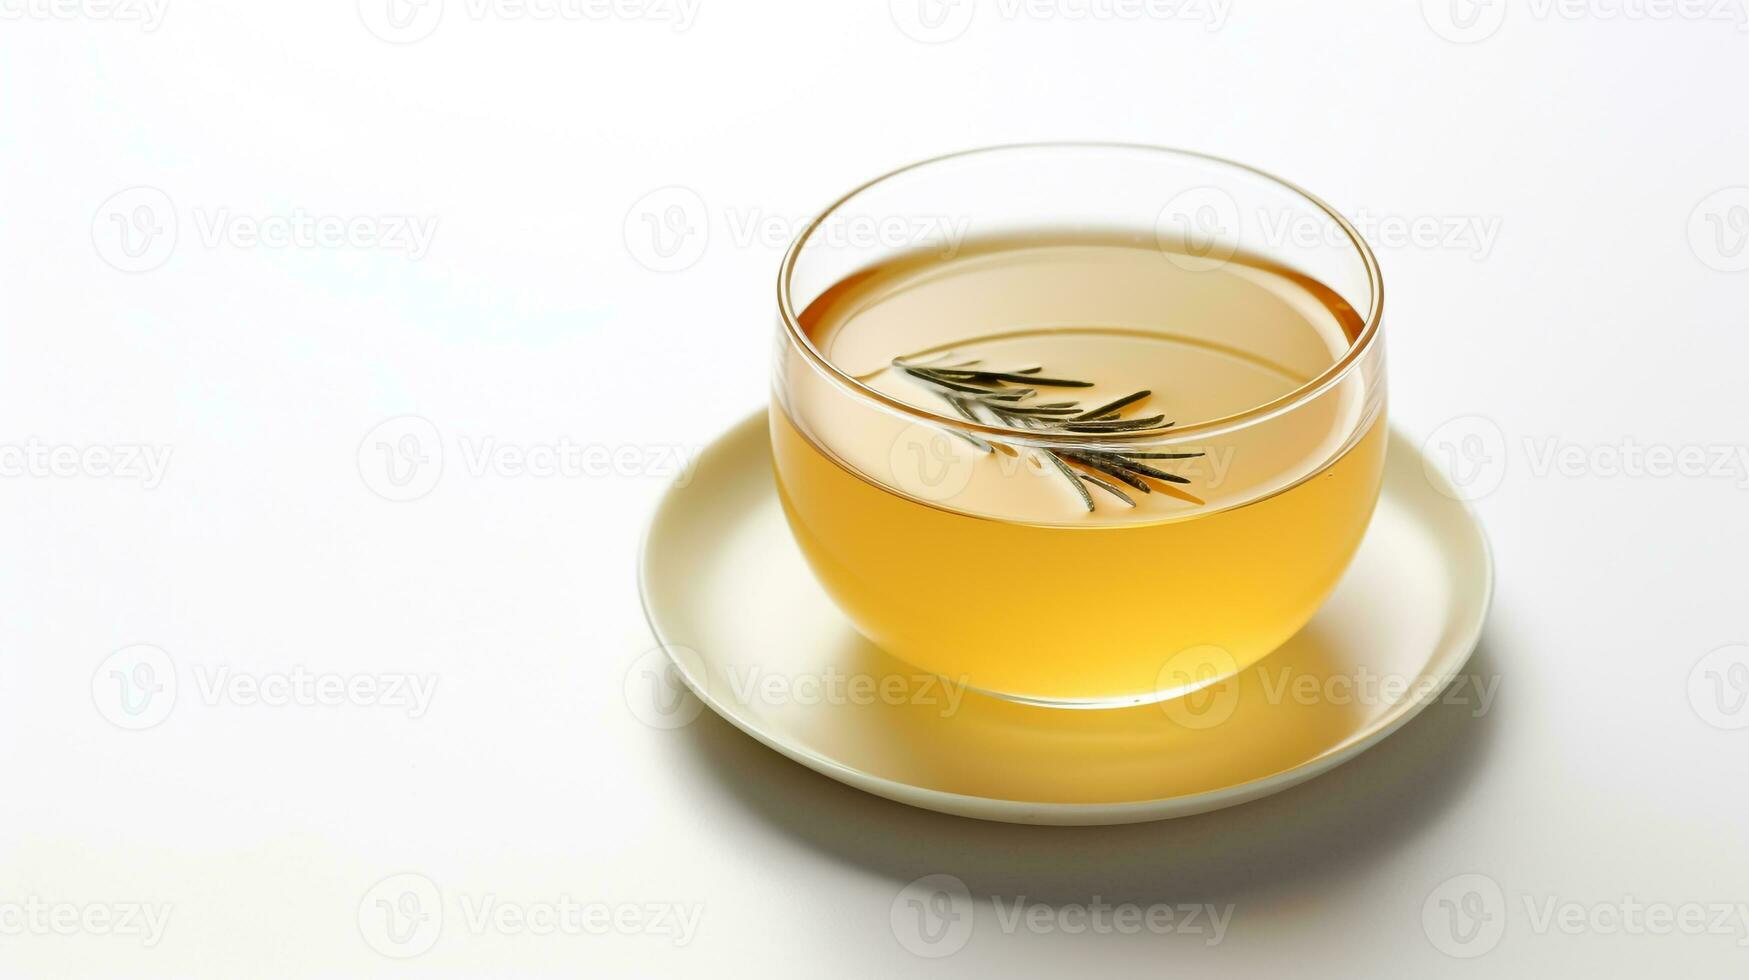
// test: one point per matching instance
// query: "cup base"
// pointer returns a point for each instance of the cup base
(1098, 704)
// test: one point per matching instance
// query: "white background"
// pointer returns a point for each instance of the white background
(1602, 314)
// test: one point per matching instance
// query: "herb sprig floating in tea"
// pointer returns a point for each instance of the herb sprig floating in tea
(980, 395)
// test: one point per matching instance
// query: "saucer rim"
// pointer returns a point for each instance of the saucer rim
(1006, 810)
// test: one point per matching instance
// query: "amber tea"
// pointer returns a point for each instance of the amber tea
(1077, 468)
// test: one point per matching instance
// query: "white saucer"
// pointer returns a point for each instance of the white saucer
(731, 600)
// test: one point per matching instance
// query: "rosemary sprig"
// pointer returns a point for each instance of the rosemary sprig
(980, 395)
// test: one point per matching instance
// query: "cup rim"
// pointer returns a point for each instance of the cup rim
(1330, 377)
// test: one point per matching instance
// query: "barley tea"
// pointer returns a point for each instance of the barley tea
(1065, 574)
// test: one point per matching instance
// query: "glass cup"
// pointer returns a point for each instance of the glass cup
(897, 506)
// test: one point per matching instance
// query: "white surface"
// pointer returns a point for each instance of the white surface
(1592, 321)
(772, 655)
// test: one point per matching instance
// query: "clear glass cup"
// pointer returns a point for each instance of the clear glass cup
(1075, 610)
